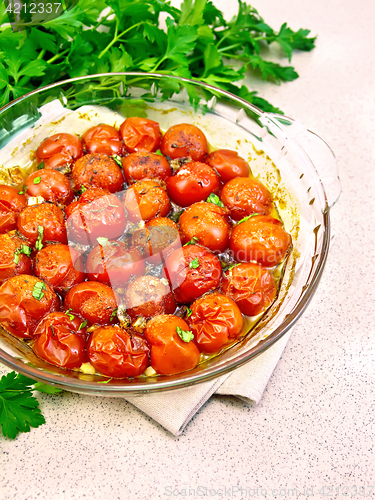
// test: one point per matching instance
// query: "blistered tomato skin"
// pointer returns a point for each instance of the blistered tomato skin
(169, 353)
(11, 204)
(14, 256)
(52, 185)
(47, 215)
(114, 353)
(192, 271)
(228, 164)
(193, 182)
(140, 134)
(97, 170)
(113, 264)
(94, 301)
(207, 222)
(59, 150)
(60, 266)
(24, 301)
(138, 166)
(215, 320)
(251, 286)
(148, 296)
(145, 200)
(103, 139)
(103, 217)
(59, 341)
(244, 196)
(261, 239)
(184, 140)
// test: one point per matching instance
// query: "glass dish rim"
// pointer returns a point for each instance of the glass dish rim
(186, 380)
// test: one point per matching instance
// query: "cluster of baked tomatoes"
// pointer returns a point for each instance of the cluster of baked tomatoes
(128, 249)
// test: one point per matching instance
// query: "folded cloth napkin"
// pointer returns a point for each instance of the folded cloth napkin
(174, 410)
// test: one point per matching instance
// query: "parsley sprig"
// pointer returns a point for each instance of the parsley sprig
(19, 409)
(198, 42)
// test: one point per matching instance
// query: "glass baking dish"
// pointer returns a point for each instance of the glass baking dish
(296, 165)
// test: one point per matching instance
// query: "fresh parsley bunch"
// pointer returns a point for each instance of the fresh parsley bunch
(125, 35)
(19, 409)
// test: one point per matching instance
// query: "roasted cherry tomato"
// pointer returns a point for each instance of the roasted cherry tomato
(148, 296)
(59, 150)
(11, 204)
(169, 353)
(44, 222)
(103, 139)
(251, 286)
(14, 256)
(59, 340)
(193, 182)
(215, 320)
(228, 164)
(103, 217)
(52, 185)
(145, 200)
(114, 353)
(97, 170)
(24, 301)
(138, 166)
(192, 271)
(184, 140)
(206, 224)
(111, 263)
(94, 301)
(140, 134)
(261, 239)
(60, 266)
(244, 196)
(157, 241)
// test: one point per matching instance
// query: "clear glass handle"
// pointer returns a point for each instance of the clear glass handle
(319, 152)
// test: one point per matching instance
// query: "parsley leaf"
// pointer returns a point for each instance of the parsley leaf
(194, 264)
(213, 198)
(37, 290)
(185, 335)
(39, 244)
(246, 218)
(193, 241)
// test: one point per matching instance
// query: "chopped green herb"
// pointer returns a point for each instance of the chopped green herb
(105, 381)
(185, 335)
(83, 189)
(194, 264)
(158, 152)
(189, 312)
(246, 218)
(82, 325)
(52, 330)
(117, 159)
(37, 290)
(40, 166)
(37, 180)
(213, 198)
(193, 241)
(26, 250)
(21, 192)
(102, 241)
(113, 315)
(70, 316)
(233, 265)
(38, 244)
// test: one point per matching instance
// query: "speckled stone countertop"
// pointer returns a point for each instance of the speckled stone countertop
(313, 432)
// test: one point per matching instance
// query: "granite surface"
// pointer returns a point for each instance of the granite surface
(313, 432)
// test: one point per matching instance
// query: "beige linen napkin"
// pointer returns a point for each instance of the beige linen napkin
(174, 410)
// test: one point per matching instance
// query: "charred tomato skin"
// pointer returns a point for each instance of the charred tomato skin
(184, 140)
(169, 353)
(145, 165)
(244, 196)
(97, 170)
(47, 215)
(20, 310)
(192, 271)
